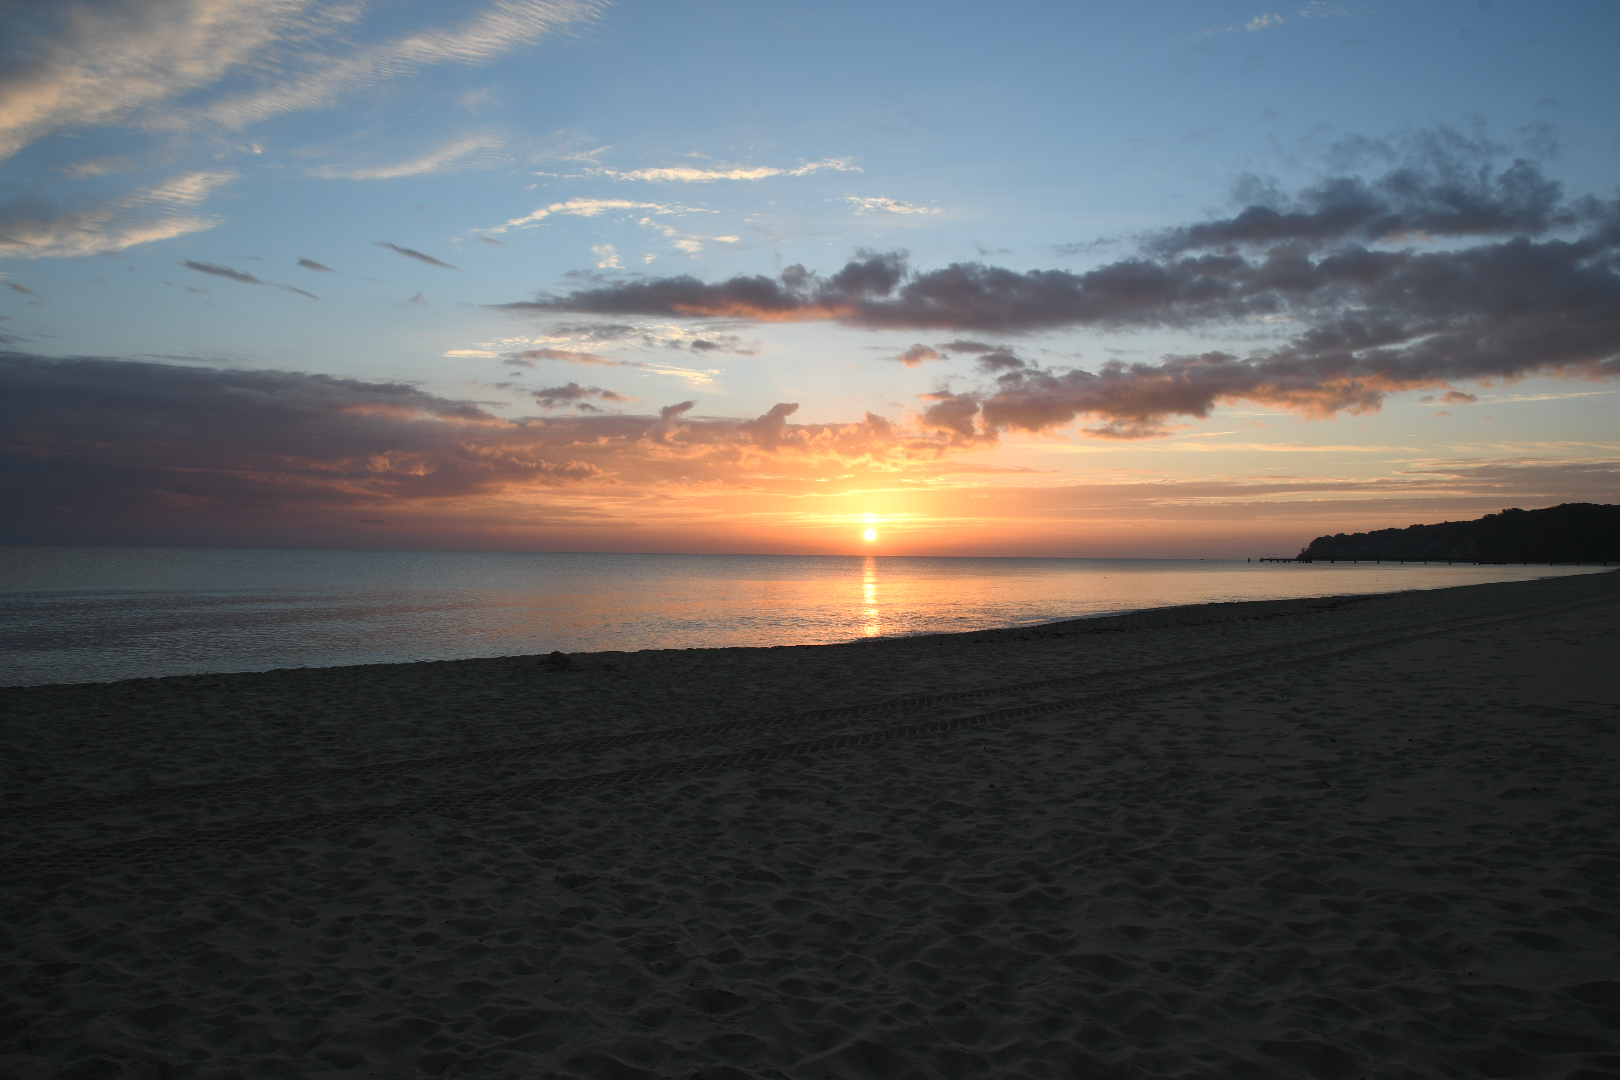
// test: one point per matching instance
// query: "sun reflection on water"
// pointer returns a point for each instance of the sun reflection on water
(869, 593)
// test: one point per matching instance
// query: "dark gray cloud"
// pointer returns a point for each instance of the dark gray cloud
(241, 276)
(721, 343)
(25, 290)
(1526, 283)
(557, 397)
(1433, 197)
(796, 296)
(999, 362)
(311, 264)
(412, 253)
(223, 271)
(105, 450)
(117, 439)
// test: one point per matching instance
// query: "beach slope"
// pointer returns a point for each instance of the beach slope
(1342, 837)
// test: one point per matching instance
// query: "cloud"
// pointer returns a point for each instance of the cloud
(240, 276)
(960, 345)
(687, 174)
(590, 337)
(954, 415)
(691, 244)
(607, 257)
(796, 296)
(917, 355)
(470, 151)
(128, 436)
(877, 204)
(16, 287)
(101, 166)
(100, 62)
(311, 264)
(1460, 397)
(1446, 187)
(104, 443)
(588, 208)
(998, 362)
(556, 397)
(412, 253)
(32, 228)
(527, 357)
(716, 343)
(1262, 22)
(152, 65)
(318, 79)
(1507, 297)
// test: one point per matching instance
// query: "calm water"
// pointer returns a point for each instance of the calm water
(87, 614)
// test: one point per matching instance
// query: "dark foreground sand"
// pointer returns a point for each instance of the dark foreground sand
(1364, 837)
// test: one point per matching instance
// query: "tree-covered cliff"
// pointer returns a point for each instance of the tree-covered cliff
(1568, 533)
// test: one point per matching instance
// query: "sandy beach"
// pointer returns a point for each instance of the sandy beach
(1371, 836)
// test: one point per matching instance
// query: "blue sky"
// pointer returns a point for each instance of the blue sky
(354, 191)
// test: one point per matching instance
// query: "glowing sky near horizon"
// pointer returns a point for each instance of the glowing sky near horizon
(1102, 279)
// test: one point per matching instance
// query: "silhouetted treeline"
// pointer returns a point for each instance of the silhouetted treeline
(1568, 533)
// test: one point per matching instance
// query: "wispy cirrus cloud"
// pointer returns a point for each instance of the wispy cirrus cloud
(91, 64)
(527, 358)
(99, 166)
(589, 208)
(472, 151)
(691, 174)
(879, 204)
(320, 80)
(688, 244)
(109, 62)
(38, 227)
(594, 337)
(103, 62)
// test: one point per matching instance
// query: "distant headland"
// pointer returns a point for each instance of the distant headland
(1567, 533)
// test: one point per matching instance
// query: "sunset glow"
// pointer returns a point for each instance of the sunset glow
(450, 299)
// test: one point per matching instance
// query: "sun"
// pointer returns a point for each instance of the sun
(870, 534)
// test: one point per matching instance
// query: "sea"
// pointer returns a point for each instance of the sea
(95, 614)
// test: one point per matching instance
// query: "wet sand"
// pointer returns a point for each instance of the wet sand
(1353, 837)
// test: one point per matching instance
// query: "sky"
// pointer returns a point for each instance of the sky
(1195, 279)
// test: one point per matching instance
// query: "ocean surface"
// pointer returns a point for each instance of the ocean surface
(96, 614)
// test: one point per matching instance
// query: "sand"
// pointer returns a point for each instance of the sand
(1354, 837)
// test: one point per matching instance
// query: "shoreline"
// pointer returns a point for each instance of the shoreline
(858, 641)
(1287, 838)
